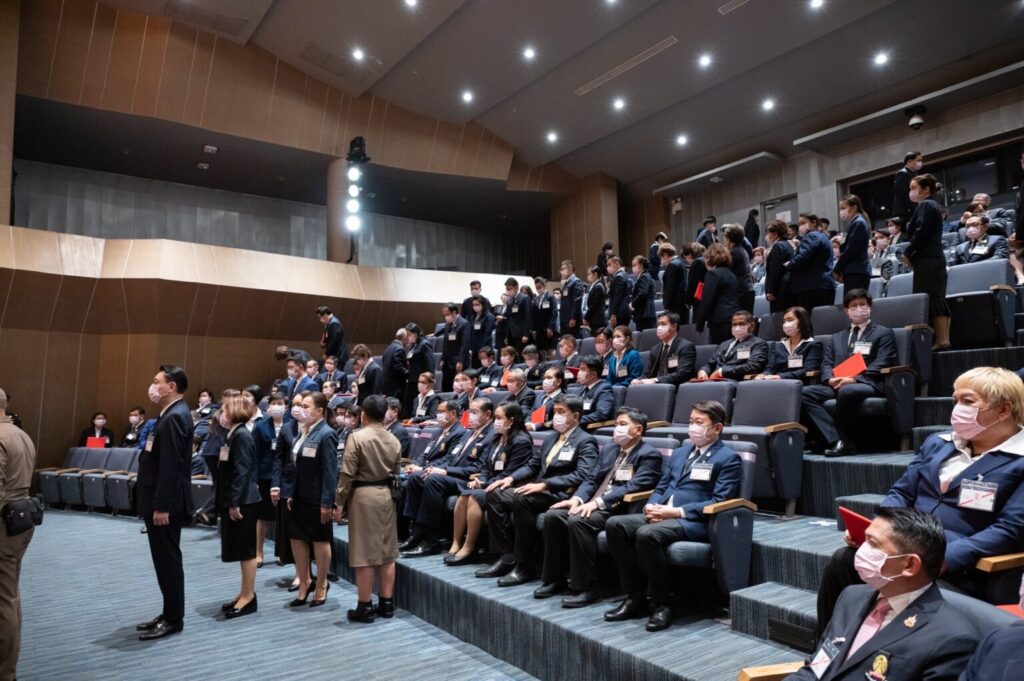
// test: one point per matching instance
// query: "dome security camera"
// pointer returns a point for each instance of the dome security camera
(916, 115)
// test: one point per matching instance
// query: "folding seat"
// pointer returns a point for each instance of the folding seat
(910, 312)
(603, 440)
(840, 292)
(981, 300)
(761, 306)
(620, 396)
(704, 355)
(656, 401)
(202, 491)
(497, 397)
(665, 445)
(586, 346)
(437, 343)
(769, 326)
(94, 484)
(689, 332)
(950, 239)
(645, 357)
(48, 485)
(659, 303)
(543, 440)
(689, 394)
(647, 339)
(829, 319)
(876, 287)
(70, 482)
(419, 438)
(444, 397)
(119, 488)
(900, 285)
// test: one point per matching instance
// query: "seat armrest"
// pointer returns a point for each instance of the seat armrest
(638, 496)
(769, 672)
(780, 427)
(48, 469)
(600, 424)
(1002, 287)
(199, 476)
(109, 473)
(812, 374)
(919, 327)
(85, 471)
(1007, 561)
(901, 369)
(658, 424)
(728, 505)
(132, 476)
(66, 470)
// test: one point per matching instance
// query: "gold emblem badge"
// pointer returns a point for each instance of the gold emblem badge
(878, 669)
(910, 621)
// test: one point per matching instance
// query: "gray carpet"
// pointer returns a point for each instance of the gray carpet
(87, 580)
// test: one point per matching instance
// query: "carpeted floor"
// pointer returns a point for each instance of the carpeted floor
(87, 580)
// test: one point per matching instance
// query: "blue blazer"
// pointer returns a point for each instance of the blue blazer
(602, 403)
(631, 362)
(646, 462)
(810, 268)
(395, 370)
(883, 353)
(312, 477)
(809, 349)
(693, 495)
(438, 448)
(563, 477)
(999, 656)
(267, 446)
(236, 477)
(970, 534)
(853, 253)
(463, 459)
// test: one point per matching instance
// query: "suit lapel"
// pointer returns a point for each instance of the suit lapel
(981, 467)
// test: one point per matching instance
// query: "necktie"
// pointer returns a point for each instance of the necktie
(854, 337)
(553, 452)
(871, 625)
(607, 482)
(663, 361)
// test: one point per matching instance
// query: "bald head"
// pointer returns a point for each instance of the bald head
(401, 334)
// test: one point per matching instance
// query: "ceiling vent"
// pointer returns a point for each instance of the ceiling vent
(627, 65)
(731, 5)
(185, 11)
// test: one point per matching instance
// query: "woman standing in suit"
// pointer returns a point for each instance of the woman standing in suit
(309, 490)
(776, 278)
(424, 407)
(641, 299)
(810, 268)
(797, 353)
(512, 447)
(267, 438)
(624, 364)
(740, 266)
(98, 429)
(596, 315)
(238, 501)
(924, 254)
(482, 329)
(853, 267)
(368, 373)
(420, 357)
(719, 300)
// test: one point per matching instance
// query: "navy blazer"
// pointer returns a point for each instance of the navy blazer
(601, 400)
(369, 382)
(810, 350)
(456, 343)
(236, 477)
(333, 341)
(467, 306)
(402, 435)
(505, 456)
(618, 296)
(718, 301)
(883, 353)
(925, 230)
(464, 459)
(419, 358)
(693, 495)
(999, 656)
(991, 247)
(164, 483)
(267, 444)
(810, 268)
(312, 476)
(481, 329)
(563, 477)
(489, 377)
(936, 645)
(395, 370)
(428, 403)
(680, 366)
(695, 276)
(727, 358)
(902, 206)
(646, 462)
(853, 252)
(970, 534)
(674, 285)
(597, 314)
(526, 399)
(570, 306)
(776, 276)
(442, 443)
(283, 460)
(519, 315)
(642, 297)
(291, 387)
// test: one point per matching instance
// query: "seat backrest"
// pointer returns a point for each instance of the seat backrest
(901, 285)
(95, 458)
(829, 319)
(420, 438)
(498, 396)
(761, 306)
(544, 439)
(985, 617)
(120, 458)
(619, 391)
(950, 239)
(876, 287)
(665, 445)
(689, 394)
(444, 397)
(437, 343)
(763, 403)
(75, 457)
(645, 357)
(979, 276)
(903, 349)
(704, 355)
(656, 400)
(689, 332)
(899, 312)
(840, 290)
(769, 327)
(133, 465)
(647, 339)
(587, 347)
(603, 440)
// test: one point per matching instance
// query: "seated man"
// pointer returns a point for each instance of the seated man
(552, 388)
(515, 501)
(490, 371)
(532, 367)
(698, 474)
(952, 478)
(395, 427)
(138, 428)
(877, 345)
(569, 358)
(446, 477)
(571, 526)
(518, 392)
(597, 396)
(979, 245)
(742, 356)
(673, 360)
(899, 619)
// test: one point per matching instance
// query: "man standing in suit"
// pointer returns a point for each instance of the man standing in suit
(570, 306)
(898, 622)
(518, 314)
(877, 345)
(298, 380)
(709, 232)
(673, 360)
(333, 338)
(673, 280)
(515, 501)
(654, 253)
(698, 474)
(641, 299)
(395, 367)
(455, 345)
(571, 526)
(902, 206)
(618, 293)
(164, 495)
(595, 314)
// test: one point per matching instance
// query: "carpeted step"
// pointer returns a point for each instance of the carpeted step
(865, 504)
(922, 433)
(794, 551)
(825, 478)
(776, 612)
(1020, 336)
(1018, 321)
(946, 366)
(932, 411)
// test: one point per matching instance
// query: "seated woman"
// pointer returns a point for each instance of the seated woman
(797, 353)
(512, 447)
(424, 407)
(98, 429)
(624, 363)
(552, 386)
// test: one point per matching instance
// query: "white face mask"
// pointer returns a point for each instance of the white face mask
(740, 331)
(276, 411)
(973, 233)
(699, 435)
(154, 393)
(203, 400)
(868, 562)
(618, 343)
(99, 423)
(663, 331)
(548, 384)
(583, 377)
(134, 420)
(294, 374)
(858, 314)
(531, 363)
(506, 360)
(300, 414)
(601, 348)
(621, 435)
(474, 420)
(499, 426)
(458, 387)
(560, 423)
(442, 418)
(390, 416)
(790, 328)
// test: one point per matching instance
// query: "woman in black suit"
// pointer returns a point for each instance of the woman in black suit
(740, 266)
(482, 329)
(238, 501)
(853, 267)
(924, 254)
(283, 465)
(98, 429)
(420, 357)
(597, 301)
(776, 277)
(511, 448)
(797, 353)
(718, 301)
(641, 299)
(369, 375)
(424, 407)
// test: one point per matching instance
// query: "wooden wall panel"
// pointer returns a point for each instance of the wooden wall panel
(583, 221)
(9, 10)
(151, 61)
(176, 72)
(68, 66)
(122, 73)
(97, 57)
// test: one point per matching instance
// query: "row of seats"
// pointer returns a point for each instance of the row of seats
(95, 478)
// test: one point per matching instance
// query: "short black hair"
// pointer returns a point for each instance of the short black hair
(322, 310)
(635, 415)
(672, 318)
(712, 409)
(592, 362)
(413, 327)
(484, 404)
(142, 412)
(176, 375)
(910, 156)
(395, 403)
(919, 533)
(854, 294)
(475, 282)
(486, 351)
(572, 403)
(451, 307)
(511, 281)
(374, 407)
(709, 219)
(452, 406)
(255, 391)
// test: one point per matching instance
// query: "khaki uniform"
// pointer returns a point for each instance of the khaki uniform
(372, 454)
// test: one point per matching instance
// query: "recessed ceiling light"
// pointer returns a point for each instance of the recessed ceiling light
(817, 4)
(552, 137)
(529, 53)
(619, 104)
(358, 54)
(209, 149)
(411, 3)
(203, 165)
(881, 59)
(353, 190)
(467, 96)
(354, 174)
(681, 140)
(704, 61)
(768, 104)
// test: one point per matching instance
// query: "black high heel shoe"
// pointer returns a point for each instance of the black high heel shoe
(246, 609)
(320, 601)
(301, 601)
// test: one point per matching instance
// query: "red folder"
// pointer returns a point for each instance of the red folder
(537, 416)
(854, 366)
(96, 443)
(699, 292)
(572, 370)
(1013, 610)
(465, 419)
(855, 523)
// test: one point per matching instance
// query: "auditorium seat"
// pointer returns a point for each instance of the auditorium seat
(665, 445)
(71, 481)
(981, 300)
(704, 355)
(769, 326)
(645, 357)
(48, 484)
(94, 484)
(619, 391)
(840, 289)
(587, 347)
(647, 339)
(202, 491)
(119, 488)
(419, 439)
(829, 319)
(656, 401)
(497, 397)
(689, 332)
(900, 285)
(876, 287)
(761, 306)
(689, 394)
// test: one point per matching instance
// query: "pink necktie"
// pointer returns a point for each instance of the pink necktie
(871, 625)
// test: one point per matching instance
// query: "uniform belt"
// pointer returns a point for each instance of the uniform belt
(370, 483)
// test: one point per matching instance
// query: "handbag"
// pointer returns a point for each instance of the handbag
(22, 515)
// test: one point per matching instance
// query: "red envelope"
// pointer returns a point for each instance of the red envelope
(855, 523)
(1013, 610)
(465, 419)
(96, 443)
(537, 416)
(851, 368)
(699, 292)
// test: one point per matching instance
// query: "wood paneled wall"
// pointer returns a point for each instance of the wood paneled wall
(9, 11)
(640, 222)
(583, 221)
(84, 322)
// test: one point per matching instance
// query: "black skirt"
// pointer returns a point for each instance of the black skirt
(305, 523)
(930, 278)
(477, 495)
(238, 537)
(268, 511)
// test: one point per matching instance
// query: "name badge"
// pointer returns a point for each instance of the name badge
(362, 379)
(149, 443)
(567, 376)
(451, 336)
(476, 326)
(499, 465)
(624, 473)
(309, 451)
(545, 305)
(980, 249)
(820, 663)
(408, 355)
(743, 354)
(795, 362)
(604, 372)
(485, 380)
(622, 372)
(515, 309)
(224, 451)
(430, 445)
(422, 411)
(979, 496)
(587, 404)
(456, 450)
(673, 362)
(341, 446)
(273, 445)
(701, 471)
(862, 347)
(566, 453)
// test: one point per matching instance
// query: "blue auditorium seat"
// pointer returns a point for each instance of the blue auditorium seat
(70, 482)
(94, 493)
(48, 477)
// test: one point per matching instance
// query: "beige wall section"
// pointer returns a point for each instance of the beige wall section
(585, 219)
(9, 11)
(84, 321)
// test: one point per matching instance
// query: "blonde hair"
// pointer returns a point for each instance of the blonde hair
(996, 386)
(237, 409)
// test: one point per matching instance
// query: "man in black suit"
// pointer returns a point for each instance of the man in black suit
(332, 372)
(979, 244)
(673, 281)
(597, 396)
(877, 345)
(571, 526)
(653, 253)
(999, 656)
(164, 496)
(709, 232)
(395, 427)
(333, 338)
(395, 367)
(518, 391)
(745, 354)
(674, 359)
(518, 314)
(693, 254)
(618, 293)
(902, 206)
(467, 304)
(898, 622)
(515, 501)
(456, 345)
(570, 306)
(596, 314)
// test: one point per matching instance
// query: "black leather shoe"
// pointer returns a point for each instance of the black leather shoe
(160, 630)
(426, 549)
(549, 589)
(317, 602)
(628, 609)
(246, 609)
(453, 559)
(660, 619)
(842, 448)
(498, 569)
(579, 600)
(150, 625)
(385, 608)
(363, 612)
(410, 542)
(228, 606)
(516, 577)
